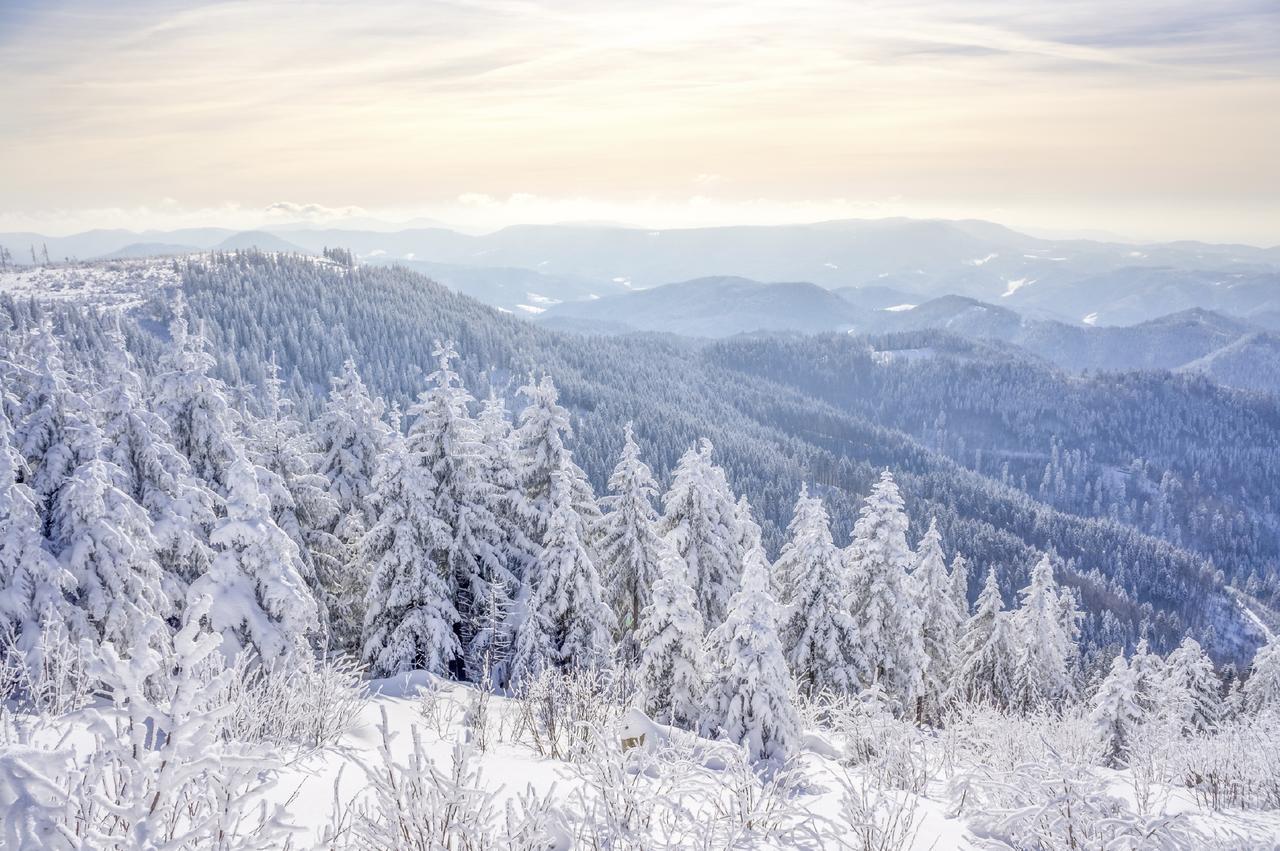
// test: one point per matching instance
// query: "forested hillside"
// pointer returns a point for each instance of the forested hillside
(773, 429)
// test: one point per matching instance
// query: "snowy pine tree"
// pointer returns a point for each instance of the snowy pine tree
(410, 618)
(940, 616)
(1046, 647)
(156, 476)
(670, 638)
(1191, 693)
(985, 653)
(700, 517)
(303, 508)
(1116, 715)
(749, 696)
(884, 608)
(259, 600)
(1262, 689)
(446, 441)
(630, 549)
(34, 587)
(351, 438)
(817, 632)
(103, 539)
(566, 600)
(194, 405)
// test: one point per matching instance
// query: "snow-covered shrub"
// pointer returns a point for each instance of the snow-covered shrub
(419, 805)
(1238, 766)
(895, 752)
(59, 682)
(436, 706)
(310, 703)
(558, 710)
(876, 819)
(1058, 804)
(147, 772)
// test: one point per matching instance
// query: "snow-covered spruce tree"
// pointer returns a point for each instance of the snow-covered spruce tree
(941, 618)
(303, 508)
(351, 437)
(490, 648)
(817, 632)
(985, 653)
(33, 585)
(1262, 689)
(959, 585)
(749, 697)
(473, 554)
(566, 599)
(1116, 713)
(194, 405)
(57, 432)
(1148, 676)
(259, 600)
(1046, 647)
(1191, 693)
(410, 619)
(630, 549)
(670, 638)
(884, 608)
(541, 452)
(103, 539)
(156, 476)
(701, 519)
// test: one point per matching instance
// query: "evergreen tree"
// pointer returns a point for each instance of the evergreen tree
(34, 587)
(749, 698)
(257, 597)
(1262, 689)
(194, 404)
(1116, 714)
(670, 638)
(491, 644)
(103, 540)
(566, 597)
(410, 618)
(940, 616)
(985, 654)
(303, 508)
(817, 632)
(884, 609)
(57, 433)
(1046, 649)
(959, 584)
(446, 441)
(1191, 696)
(701, 519)
(156, 476)
(630, 548)
(351, 438)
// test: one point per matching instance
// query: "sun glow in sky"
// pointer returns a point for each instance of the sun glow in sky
(1154, 120)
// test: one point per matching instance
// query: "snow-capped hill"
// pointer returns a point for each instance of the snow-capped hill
(118, 283)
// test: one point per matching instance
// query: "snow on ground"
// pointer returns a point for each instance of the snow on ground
(982, 261)
(897, 308)
(530, 308)
(115, 283)
(688, 790)
(1012, 286)
(1090, 319)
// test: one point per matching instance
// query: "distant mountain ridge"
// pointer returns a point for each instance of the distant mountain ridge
(1071, 279)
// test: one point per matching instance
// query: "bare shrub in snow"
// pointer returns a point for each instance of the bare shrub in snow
(309, 703)
(419, 805)
(1239, 766)
(59, 683)
(875, 819)
(558, 710)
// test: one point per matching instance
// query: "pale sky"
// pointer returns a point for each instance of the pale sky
(1153, 120)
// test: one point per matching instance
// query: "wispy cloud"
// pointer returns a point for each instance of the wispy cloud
(394, 103)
